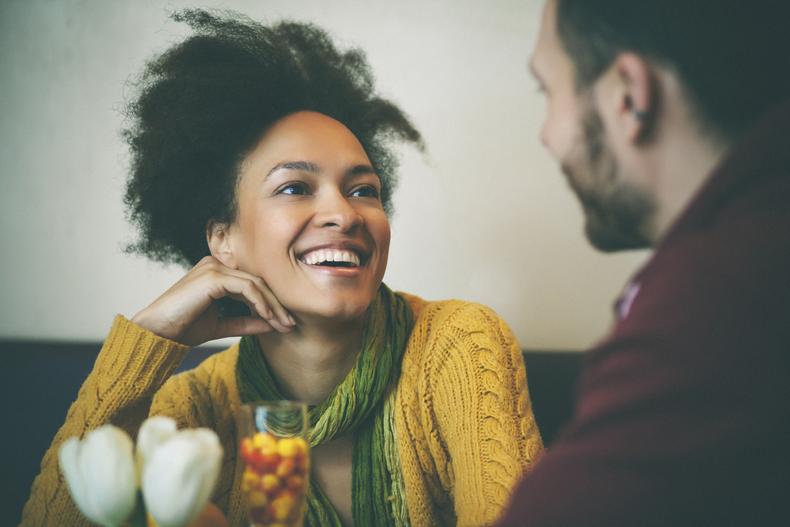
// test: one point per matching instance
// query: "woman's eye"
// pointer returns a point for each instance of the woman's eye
(365, 191)
(294, 189)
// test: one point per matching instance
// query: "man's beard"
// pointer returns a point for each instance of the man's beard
(617, 213)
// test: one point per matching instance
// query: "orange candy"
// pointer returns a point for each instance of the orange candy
(302, 464)
(285, 467)
(295, 482)
(267, 462)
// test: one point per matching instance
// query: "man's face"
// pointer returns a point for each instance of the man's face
(616, 212)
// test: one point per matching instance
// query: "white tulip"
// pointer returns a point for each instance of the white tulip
(100, 473)
(153, 432)
(179, 475)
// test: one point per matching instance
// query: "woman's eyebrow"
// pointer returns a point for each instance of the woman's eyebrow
(312, 168)
(302, 166)
(360, 170)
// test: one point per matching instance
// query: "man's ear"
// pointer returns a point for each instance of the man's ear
(218, 237)
(636, 101)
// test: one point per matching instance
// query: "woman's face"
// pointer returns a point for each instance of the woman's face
(310, 221)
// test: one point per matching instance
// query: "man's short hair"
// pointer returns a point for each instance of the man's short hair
(731, 56)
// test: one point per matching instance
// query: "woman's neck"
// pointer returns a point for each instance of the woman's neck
(311, 360)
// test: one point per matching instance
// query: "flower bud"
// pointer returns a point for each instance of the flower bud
(179, 475)
(154, 431)
(100, 474)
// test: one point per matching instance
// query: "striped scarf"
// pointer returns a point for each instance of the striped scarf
(363, 404)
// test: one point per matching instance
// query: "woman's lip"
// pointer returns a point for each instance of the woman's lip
(341, 272)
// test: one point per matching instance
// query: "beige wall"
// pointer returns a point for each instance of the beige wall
(485, 215)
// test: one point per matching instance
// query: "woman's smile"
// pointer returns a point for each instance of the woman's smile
(342, 260)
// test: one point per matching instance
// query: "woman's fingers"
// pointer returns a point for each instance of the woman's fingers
(255, 294)
(241, 326)
(270, 319)
(278, 313)
(186, 312)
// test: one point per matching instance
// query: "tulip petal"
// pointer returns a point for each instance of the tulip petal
(100, 474)
(154, 431)
(108, 466)
(68, 455)
(180, 475)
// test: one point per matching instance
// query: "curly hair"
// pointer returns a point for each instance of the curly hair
(205, 103)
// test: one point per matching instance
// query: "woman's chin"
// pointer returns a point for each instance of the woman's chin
(324, 305)
(330, 313)
(338, 317)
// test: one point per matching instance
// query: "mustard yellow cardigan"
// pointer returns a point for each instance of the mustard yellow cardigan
(464, 425)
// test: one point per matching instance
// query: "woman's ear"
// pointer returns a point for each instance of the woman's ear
(218, 237)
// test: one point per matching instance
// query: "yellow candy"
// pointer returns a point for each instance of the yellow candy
(256, 499)
(287, 447)
(264, 442)
(259, 439)
(269, 482)
(301, 444)
(282, 505)
(250, 479)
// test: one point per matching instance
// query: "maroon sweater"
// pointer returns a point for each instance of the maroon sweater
(683, 411)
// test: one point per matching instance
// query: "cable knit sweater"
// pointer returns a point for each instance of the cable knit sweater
(464, 426)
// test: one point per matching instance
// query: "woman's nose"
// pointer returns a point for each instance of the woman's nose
(335, 210)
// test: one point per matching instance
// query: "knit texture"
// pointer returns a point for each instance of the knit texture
(464, 427)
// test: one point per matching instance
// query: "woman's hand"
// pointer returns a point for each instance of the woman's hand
(186, 312)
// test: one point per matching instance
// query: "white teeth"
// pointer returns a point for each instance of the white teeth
(329, 255)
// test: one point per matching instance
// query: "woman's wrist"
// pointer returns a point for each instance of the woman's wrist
(144, 320)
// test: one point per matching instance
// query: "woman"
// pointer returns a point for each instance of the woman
(261, 156)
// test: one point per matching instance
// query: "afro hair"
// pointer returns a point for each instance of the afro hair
(204, 103)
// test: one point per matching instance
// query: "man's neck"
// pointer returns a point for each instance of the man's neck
(311, 361)
(680, 166)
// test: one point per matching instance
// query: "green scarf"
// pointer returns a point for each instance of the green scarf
(363, 404)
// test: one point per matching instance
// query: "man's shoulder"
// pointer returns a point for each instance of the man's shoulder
(718, 290)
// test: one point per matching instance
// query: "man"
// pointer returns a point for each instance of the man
(671, 121)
